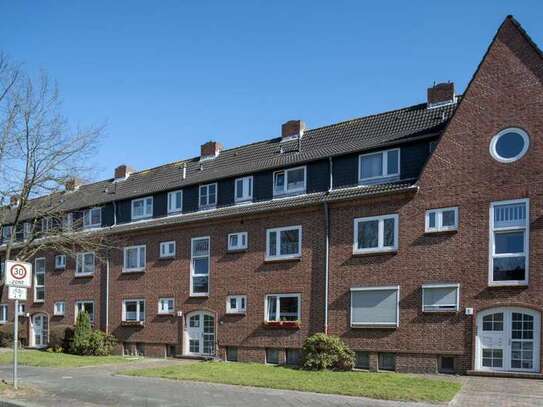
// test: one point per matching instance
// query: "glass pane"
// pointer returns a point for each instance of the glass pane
(200, 266)
(448, 218)
(509, 268)
(194, 321)
(509, 145)
(131, 258)
(296, 179)
(288, 308)
(372, 165)
(200, 247)
(510, 242)
(239, 188)
(273, 244)
(392, 162)
(368, 234)
(233, 240)
(199, 284)
(272, 307)
(432, 220)
(388, 239)
(279, 181)
(290, 241)
(510, 215)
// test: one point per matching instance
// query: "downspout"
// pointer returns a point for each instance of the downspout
(327, 245)
(107, 294)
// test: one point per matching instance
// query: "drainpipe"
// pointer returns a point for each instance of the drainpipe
(107, 294)
(327, 245)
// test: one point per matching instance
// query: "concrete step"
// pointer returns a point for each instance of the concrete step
(516, 375)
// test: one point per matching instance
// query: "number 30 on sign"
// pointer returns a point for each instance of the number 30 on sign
(18, 274)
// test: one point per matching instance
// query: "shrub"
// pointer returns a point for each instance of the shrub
(321, 351)
(6, 335)
(59, 337)
(89, 341)
(101, 344)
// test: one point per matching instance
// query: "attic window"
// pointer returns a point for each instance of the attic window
(509, 145)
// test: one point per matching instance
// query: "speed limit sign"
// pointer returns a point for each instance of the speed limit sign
(18, 274)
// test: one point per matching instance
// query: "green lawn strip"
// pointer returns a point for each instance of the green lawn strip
(49, 359)
(388, 386)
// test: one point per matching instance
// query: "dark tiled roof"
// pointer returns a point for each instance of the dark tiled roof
(366, 133)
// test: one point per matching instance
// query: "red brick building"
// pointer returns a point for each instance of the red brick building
(415, 235)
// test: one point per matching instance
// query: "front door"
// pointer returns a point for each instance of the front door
(508, 340)
(200, 334)
(40, 331)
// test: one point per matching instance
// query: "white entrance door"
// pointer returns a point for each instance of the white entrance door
(200, 334)
(508, 339)
(40, 330)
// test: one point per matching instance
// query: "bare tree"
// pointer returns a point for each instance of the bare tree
(40, 154)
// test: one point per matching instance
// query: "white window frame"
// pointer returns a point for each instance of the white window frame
(145, 214)
(4, 313)
(139, 301)
(87, 218)
(278, 255)
(278, 306)
(376, 324)
(439, 220)
(166, 300)
(380, 234)
(240, 246)
(526, 252)
(42, 286)
(83, 302)
(172, 199)
(56, 308)
(192, 258)
(22, 309)
(80, 261)
(163, 246)
(208, 205)
(68, 221)
(429, 287)
(60, 265)
(241, 304)
(247, 183)
(46, 224)
(6, 232)
(140, 267)
(285, 191)
(386, 176)
(27, 230)
(496, 138)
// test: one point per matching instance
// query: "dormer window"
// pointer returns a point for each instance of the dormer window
(142, 208)
(6, 233)
(289, 182)
(175, 202)
(379, 167)
(92, 218)
(208, 196)
(244, 189)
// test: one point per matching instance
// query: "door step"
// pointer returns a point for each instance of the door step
(516, 375)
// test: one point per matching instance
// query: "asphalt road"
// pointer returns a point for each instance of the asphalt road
(98, 386)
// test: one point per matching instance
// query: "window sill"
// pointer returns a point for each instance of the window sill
(131, 271)
(374, 252)
(38, 301)
(58, 315)
(236, 313)
(233, 251)
(378, 180)
(440, 311)
(165, 314)
(441, 232)
(282, 324)
(282, 259)
(203, 295)
(375, 326)
(83, 275)
(132, 323)
(277, 195)
(134, 219)
(167, 257)
(508, 284)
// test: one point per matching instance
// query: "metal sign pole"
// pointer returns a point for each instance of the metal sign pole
(15, 343)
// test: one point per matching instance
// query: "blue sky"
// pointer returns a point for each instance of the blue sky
(169, 75)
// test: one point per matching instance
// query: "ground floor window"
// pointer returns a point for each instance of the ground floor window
(387, 361)
(87, 306)
(283, 307)
(362, 360)
(133, 310)
(272, 356)
(231, 354)
(293, 357)
(446, 364)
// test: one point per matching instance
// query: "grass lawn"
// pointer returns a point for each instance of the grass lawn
(49, 359)
(390, 386)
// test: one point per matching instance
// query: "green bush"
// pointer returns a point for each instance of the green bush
(321, 351)
(59, 337)
(89, 341)
(6, 335)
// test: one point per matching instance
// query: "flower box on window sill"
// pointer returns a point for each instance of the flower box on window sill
(132, 323)
(283, 324)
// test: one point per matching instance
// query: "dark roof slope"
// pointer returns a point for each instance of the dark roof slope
(359, 134)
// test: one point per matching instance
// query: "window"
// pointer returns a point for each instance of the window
(47, 224)
(199, 266)
(236, 304)
(493, 322)
(68, 222)
(509, 225)
(167, 249)
(375, 234)
(237, 241)
(133, 310)
(142, 208)
(492, 358)
(291, 181)
(208, 196)
(3, 313)
(166, 305)
(6, 233)
(441, 220)
(2, 270)
(175, 201)
(284, 243)
(387, 361)
(27, 230)
(231, 354)
(375, 306)
(134, 259)
(92, 218)
(244, 189)
(283, 307)
(440, 297)
(85, 264)
(58, 308)
(362, 360)
(60, 261)
(39, 280)
(87, 306)
(272, 356)
(446, 364)
(509, 145)
(378, 167)
(22, 309)
(293, 357)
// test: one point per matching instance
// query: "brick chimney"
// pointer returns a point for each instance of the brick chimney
(72, 184)
(441, 94)
(292, 129)
(123, 171)
(14, 200)
(211, 149)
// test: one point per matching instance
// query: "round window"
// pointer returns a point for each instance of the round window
(509, 145)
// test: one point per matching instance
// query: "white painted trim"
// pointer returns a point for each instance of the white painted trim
(278, 255)
(159, 303)
(240, 246)
(88, 212)
(376, 324)
(386, 176)
(145, 214)
(380, 234)
(244, 198)
(162, 255)
(192, 257)
(285, 191)
(279, 296)
(439, 220)
(76, 309)
(138, 306)
(170, 209)
(125, 257)
(36, 278)
(57, 313)
(239, 309)
(494, 141)
(62, 265)
(208, 205)
(430, 286)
